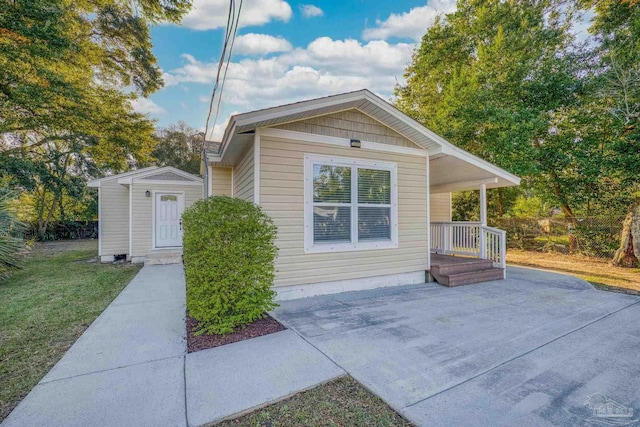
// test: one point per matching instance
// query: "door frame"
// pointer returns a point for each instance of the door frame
(181, 195)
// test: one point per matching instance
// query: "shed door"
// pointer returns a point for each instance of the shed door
(168, 228)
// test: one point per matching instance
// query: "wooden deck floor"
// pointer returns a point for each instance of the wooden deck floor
(438, 259)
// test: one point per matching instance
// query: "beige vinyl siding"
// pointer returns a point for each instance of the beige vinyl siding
(351, 124)
(221, 181)
(440, 207)
(282, 197)
(142, 211)
(114, 218)
(243, 177)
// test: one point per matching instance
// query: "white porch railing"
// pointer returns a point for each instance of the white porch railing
(469, 238)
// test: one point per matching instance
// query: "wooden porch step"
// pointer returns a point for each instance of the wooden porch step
(455, 271)
(462, 265)
(469, 277)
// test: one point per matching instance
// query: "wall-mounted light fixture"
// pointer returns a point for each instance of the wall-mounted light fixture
(355, 143)
(147, 193)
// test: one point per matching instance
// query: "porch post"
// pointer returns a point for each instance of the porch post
(483, 221)
(483, 204)
(428, 219)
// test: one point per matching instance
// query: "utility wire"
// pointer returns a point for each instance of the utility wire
(231, 32)
(220, 63)
(224, 76)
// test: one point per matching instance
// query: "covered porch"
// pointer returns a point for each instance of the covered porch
(464, 252)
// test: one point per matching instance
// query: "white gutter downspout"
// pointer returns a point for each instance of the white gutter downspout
(428, 219)
(256, 167)
(131, 221)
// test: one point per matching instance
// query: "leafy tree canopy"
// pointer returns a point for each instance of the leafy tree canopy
(179, 146)
(507, 81)
(69, 72)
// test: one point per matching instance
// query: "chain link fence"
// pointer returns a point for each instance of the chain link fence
(593, 236)
(63, 230)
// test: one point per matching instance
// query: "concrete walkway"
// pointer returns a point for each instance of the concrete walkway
(131, 367)
(526, 351)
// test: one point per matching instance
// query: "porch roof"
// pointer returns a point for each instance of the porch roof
(451, 166)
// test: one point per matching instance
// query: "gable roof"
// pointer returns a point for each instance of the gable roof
(364, 101)
(127, 178)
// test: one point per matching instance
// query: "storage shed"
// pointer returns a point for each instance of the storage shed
(140, 213)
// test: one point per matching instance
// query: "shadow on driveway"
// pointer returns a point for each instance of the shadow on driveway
(528, 350)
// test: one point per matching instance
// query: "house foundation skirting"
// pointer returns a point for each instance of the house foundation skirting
(286, 293)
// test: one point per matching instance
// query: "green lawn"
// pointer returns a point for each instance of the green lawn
(46, 306)
(342, 402)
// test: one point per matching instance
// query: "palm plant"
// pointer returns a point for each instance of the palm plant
(11, 240)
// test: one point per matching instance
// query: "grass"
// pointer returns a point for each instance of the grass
(46, 306)
(560, 240)
(598, 271)
(342, 402)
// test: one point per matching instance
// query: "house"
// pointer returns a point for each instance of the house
(360, 193)
(139, 213)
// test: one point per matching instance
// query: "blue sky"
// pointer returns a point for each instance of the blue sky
(285, 52)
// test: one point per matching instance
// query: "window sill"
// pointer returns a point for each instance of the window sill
(320, 248)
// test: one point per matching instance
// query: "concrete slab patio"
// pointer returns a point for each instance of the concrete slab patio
(131, 367)
(528, 350)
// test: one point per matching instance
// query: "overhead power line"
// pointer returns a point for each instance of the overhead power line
(231, 31)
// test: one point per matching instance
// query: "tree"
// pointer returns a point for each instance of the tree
(616, 26)
(465, 205)
(65, 116)
(505, 81)
(179, 146)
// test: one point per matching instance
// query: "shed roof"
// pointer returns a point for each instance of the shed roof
(166, 173)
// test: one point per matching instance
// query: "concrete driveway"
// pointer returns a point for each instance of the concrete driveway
(528, 351)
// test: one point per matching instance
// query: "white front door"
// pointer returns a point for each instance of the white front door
(168, 228)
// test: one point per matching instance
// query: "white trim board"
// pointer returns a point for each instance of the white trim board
(341, 142)
(285, 293)
(162, 182)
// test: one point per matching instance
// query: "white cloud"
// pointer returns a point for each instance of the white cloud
(310, 11)
(412, 24)
(260, 44)
(212, 14)
(323, 67)
(146, 106)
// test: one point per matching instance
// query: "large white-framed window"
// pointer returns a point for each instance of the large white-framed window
(349, 204)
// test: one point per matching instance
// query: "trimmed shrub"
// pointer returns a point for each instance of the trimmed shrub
(229, 254)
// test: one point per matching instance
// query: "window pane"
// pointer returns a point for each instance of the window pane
(331, 224)
(374, 186)
(331, 184)
(374, 223)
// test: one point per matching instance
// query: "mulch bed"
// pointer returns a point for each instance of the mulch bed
(260, 327)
